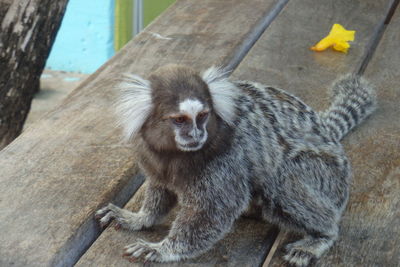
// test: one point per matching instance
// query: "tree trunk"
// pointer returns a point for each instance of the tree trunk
(4, 5)
(27, 32)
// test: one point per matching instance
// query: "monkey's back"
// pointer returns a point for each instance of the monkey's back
(278, 123)
(286, 142)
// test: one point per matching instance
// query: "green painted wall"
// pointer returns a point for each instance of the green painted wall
(153, 8)
(123, 25)
(124, 13)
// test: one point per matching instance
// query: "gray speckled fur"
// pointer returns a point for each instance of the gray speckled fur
(279, 152)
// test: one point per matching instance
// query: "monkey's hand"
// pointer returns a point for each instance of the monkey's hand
(192, 233)
(124, 218)
(157, 252)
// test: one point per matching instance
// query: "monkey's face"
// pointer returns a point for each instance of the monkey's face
(189, 124)
(176, 108)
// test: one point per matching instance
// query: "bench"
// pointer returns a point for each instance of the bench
(72, 162)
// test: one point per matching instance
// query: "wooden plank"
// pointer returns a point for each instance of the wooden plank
(63, 168)
(281, 57)
(277, 60)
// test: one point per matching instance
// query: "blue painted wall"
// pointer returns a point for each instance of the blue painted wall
(85, 39)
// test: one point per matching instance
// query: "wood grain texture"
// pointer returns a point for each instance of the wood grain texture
(282, 58)
(4, 5)
(59, 171)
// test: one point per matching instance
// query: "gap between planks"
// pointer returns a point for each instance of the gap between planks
(254, 35)
(377, 36)
(88, 233)
(279, 238)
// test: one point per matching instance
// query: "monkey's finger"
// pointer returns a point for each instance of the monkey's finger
(105, 220)
(117, 226)
(130, 246)
(100, 213)
(131, 249)
(112, 207)
(151, 256)
(106, 209)
(138, 252)
(142, 242)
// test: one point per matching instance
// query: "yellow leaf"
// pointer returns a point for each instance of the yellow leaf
(337, 38)
(341, 47)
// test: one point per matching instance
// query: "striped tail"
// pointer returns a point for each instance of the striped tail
(354, 99)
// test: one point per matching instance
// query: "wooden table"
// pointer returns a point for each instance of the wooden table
(70, 163)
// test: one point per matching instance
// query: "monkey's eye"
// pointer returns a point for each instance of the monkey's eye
(202, 115)
(179, 119)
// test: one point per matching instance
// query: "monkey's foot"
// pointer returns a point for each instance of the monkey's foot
(123, 218)
(149, 251)
(302, 252)
(298, 257)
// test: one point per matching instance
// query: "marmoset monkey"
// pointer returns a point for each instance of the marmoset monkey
(213, 145)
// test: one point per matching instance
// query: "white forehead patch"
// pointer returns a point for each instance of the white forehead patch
(191, 107)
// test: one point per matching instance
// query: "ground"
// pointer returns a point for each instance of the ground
(54, 87)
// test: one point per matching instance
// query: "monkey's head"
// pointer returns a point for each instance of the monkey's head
(176, 108)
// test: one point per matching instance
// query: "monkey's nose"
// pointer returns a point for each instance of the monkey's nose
(194, 133)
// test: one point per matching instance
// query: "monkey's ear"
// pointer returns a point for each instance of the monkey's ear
(134, 104)
(223, 93)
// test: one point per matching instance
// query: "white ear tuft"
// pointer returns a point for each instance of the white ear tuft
(134, 104)
(223, 93)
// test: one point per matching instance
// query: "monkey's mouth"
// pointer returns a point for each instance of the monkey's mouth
(193, 146)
